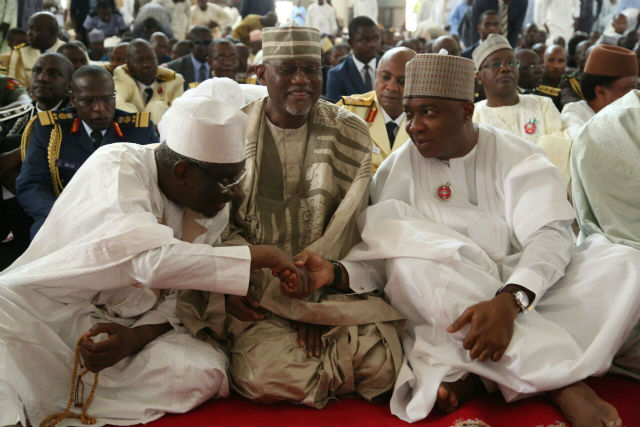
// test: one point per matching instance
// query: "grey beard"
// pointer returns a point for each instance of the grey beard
(298, 111)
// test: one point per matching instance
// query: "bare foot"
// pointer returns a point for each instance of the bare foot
(581, 406)
(452, 395)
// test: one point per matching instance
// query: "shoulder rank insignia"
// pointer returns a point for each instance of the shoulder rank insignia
(49, 117)
(75, 127)
(358, 100)
(165, 75)
(371, 115)
(549, 90)
(19, 46)
(139, 120)
(11, 84)
(193, 85)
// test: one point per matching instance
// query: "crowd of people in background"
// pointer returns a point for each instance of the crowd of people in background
(484, 119)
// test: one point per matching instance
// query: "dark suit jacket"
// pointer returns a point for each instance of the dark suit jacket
(468, 51)
(344, 79)
(257, 7)
(34, 187)
(517, 12)
(184, 66)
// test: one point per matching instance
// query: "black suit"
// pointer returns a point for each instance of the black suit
(517, 12)
(345, 79)
(184, 66)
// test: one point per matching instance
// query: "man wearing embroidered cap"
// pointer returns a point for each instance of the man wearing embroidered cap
(610, 72)
(532, 117)
(469, 237)
(308, 173)
(135, 226)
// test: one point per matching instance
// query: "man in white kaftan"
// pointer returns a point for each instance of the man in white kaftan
(115, 250)
(444, 237)
(532, 117)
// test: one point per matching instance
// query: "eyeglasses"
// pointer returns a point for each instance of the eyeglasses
(201, 42)
(224, 185)
(289, 70)
(512, 63)
(88, 101)
(530, 67)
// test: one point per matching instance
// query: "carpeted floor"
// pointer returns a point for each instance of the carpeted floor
(482, 410)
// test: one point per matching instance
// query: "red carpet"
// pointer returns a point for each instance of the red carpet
(485, 409)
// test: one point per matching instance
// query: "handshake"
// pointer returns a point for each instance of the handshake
(299, 276)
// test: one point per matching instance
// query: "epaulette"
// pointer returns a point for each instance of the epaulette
(193, 85)
(165, 75)
(49, 117)
(359, 100)
(19, 46)
(139, 120)
(11, 84)
(549, 90)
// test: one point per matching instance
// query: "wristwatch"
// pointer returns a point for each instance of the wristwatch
(521, 297)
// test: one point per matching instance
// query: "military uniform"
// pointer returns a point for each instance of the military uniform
(59, 144)
(366, 107)
(548, 91)
(570, 88)
(169, 85)
(240, 78)
(23, 58)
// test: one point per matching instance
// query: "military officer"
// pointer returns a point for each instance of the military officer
(61, 141)
(530, 80)
(42, 36)
(143, 86)
(382, 108)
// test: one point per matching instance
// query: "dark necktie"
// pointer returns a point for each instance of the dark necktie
(96, 138)
(148, 93)
(367, 77)
(202, 75)
(391, 132)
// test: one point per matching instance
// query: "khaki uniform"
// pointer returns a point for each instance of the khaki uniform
(367, 108)
(169, 86)
(242, 79)
(23, 58)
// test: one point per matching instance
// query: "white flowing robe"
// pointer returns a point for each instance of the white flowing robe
(111, 251)
(435, 258)
(574, 116)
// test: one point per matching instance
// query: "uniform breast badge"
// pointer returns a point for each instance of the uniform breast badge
(444, 192)
(530, 127)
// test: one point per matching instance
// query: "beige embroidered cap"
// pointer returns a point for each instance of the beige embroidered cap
(493, 43)
(440, 76)
(290, 42)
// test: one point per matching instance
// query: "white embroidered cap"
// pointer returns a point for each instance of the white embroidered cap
(207, 129)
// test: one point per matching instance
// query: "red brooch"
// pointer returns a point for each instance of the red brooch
(11, 84)
(160, 91)
(530, 127)
(444, 192)
(75, 126)
(118, 130)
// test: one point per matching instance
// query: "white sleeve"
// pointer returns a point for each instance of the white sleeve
(193, 266)
(366, 276)
(545, 256)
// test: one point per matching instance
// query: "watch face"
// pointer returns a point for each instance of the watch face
(522, 299)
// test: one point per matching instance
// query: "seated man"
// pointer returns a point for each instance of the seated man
(42, 36)
(110, 23)
(143, 86)
(604, 157)
(61, 142)
(253, 22)
(530, 76)
(309, 167)
(356, 73)
(610, 72)
(570, 84)
(161, 46)
(117, 57)
(532, 117)
(555, 64)
(469, 237)
(224, 59)
(75, 52)
(136, 227)
(381, 109)
(194, 67)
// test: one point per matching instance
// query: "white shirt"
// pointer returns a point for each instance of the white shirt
(322, 17)
(372, 69)
(397, 120)
(89, 131)
(367, 8)
(574, 116)
(213, 12)
(180, 17)
(558, 16)
(142, 87)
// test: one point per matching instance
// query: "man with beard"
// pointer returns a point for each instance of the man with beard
(532, 117)
(42, 36)
(70, 136)
(143, 86)
(381, 109)
(308, 171)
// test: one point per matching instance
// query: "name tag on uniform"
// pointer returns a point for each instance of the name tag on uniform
(66, 164)
(376, 150)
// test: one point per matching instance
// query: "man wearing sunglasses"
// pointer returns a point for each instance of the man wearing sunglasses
(533, 117)
(61, 141)
(308, 172)
(194, 67)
